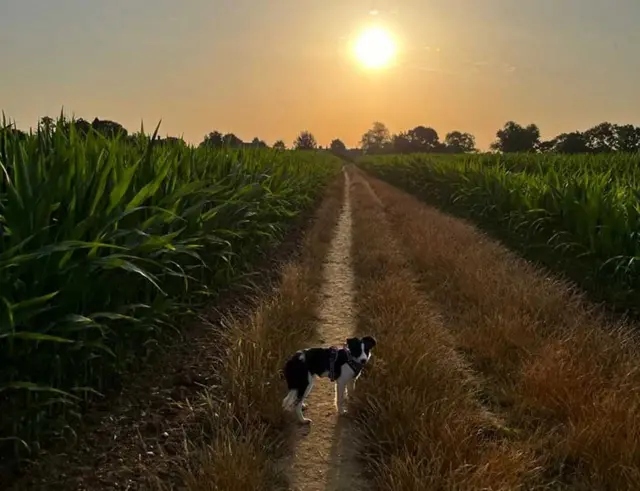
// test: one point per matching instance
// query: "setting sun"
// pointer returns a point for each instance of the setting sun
(375, 48)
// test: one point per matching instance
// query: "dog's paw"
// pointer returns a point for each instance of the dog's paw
(305, 421)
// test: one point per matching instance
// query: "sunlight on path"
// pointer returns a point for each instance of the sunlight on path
(324, 456)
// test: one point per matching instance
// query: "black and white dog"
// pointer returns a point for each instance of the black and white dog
(341, 365)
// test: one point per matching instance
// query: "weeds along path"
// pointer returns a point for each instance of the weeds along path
(244, 427)
(325, 452)
(559, 372)
(217, 424)
(417, 410)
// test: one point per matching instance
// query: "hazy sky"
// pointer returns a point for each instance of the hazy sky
(271, 68)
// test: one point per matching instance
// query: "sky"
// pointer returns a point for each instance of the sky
(273, 68)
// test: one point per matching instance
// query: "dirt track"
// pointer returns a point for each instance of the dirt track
(324, 455)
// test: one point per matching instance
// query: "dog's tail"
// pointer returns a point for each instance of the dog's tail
(289, 402)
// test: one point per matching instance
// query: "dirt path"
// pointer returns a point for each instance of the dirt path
(324, 457)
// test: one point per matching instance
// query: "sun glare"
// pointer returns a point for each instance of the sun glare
(375, 48)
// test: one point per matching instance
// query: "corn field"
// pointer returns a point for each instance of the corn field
(105, 243)
(579, 215)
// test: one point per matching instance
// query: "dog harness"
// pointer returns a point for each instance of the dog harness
(333, 356)
(355, 365)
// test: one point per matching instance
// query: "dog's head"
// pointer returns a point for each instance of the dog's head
(361, 348)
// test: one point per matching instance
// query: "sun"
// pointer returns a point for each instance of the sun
(375, 48)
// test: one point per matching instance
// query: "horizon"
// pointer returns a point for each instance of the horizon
(273, 71)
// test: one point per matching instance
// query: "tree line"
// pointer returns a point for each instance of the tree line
(603, 138)
(511, 138)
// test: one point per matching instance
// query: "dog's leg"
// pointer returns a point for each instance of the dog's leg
(347, 376)
(341, 385)
(351, 387)
(301, 399)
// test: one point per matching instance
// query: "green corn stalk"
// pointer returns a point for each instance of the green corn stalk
(576, 214)
(105, 242)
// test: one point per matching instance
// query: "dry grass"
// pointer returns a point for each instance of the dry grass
(238, 429)
(417, 407)
(556, 368)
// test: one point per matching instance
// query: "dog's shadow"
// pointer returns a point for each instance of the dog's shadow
(341, 457)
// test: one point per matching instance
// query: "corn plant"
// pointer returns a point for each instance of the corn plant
(105, 242)
(577, 214)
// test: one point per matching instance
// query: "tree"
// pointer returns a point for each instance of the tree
(601, 138)
(516, 138)
(401, 143)
(546, 146)
(458, 142)
(213, 140)
(231, 140)
(110, 129)
(258, 143)
(279, 145)
(82, 126)
(305, 141)
(377, 139)
(424, 139)
(338, 147)
(574, 142)
(628, 138)
(47, 123)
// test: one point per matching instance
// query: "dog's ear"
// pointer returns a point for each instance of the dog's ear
(369, 342)
(352, 342)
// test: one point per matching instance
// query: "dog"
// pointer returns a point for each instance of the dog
(341, 365)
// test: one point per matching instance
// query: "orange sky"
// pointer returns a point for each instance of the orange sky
(271, 69)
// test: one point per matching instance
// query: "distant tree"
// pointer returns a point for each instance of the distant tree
(401, 143)
(458, 142)
(258, 143)
(172, 141)
(424, 139)
(11, 132)
(213, 140)
(628, 138)
(47, 123)
(338, 147)
(546, 146)
(231, 140)
(305, 141)
(109, 129)
(601, 138)
(377, 139)
(574, 142)
(279, 145)
(516, 138)
(82, 126)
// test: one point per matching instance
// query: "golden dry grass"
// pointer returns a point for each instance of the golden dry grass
(556, 369)
(417, 409)
(240, 429)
